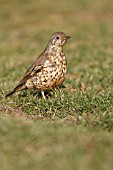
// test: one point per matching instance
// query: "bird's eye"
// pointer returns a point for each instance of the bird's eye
(57, 38)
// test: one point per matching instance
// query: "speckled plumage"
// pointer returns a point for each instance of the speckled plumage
(49, 69)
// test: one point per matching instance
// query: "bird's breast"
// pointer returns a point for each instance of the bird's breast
(52, 74)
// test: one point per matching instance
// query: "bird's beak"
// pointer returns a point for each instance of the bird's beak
(68, 37)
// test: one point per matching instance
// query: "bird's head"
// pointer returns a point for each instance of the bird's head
(59, 38)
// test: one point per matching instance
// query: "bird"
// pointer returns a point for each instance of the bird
(49, 70)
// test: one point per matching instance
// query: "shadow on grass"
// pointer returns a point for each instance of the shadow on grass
(37, 93)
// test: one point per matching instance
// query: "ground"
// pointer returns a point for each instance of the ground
(72, 128)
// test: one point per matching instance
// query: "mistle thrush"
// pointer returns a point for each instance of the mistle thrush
(49, 69)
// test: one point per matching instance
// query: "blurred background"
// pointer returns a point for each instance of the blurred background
(27, 25)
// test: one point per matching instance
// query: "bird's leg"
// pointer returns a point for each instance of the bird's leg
(54, 90)
(42, 92)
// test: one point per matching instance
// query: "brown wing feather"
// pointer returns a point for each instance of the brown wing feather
(35, 67)
(30, 72)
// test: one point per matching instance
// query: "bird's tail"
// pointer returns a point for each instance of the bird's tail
(9, 94)
(17, 88)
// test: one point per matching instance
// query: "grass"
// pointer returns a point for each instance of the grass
(73, 128)
(44, 145)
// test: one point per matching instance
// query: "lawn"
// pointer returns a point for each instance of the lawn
(72, 128)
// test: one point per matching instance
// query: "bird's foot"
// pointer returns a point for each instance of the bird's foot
(43, 95)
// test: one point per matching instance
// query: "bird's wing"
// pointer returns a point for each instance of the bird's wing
(31, 72)
(35, 67)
